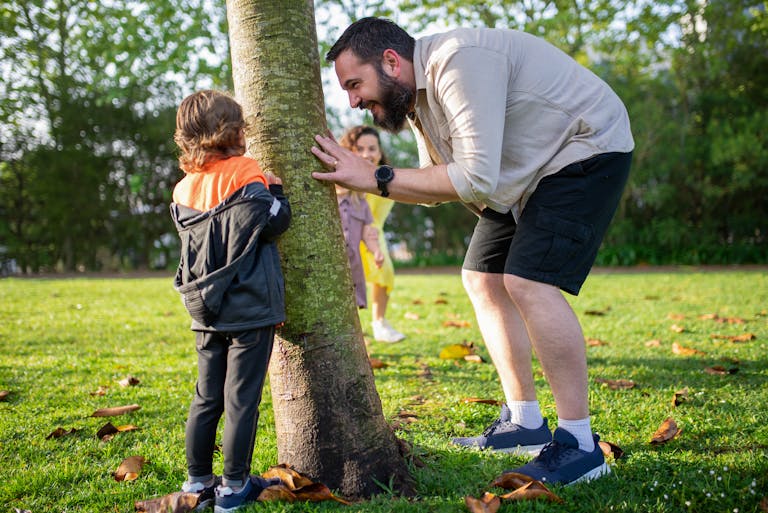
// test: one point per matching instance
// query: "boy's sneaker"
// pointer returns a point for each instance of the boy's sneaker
(207, 493)
(561, 461)
(384, 332)
(506, 436)
(227, 500)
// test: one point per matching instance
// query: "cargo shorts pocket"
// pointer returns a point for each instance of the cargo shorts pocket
(568, 241)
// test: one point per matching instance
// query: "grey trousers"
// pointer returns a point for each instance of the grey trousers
(231, 371)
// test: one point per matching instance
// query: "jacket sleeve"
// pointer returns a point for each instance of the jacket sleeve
(279, 215)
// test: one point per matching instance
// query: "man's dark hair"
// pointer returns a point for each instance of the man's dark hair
(369, 37)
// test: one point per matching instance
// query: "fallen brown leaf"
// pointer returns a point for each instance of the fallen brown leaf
(720, 370)
(108, 430)
(598, 312)
(4, 395)
(611, 450)
(667, 431)
(532, 491)
(493, 402)
(295, 486)
(129, 381)
(677, 329)
(176, 502)
(441, 301)
(456, 351)
(653, 343)
(412, 316)
(616, 384)
(685, 351)
(474, 358)
(114, 411)
(488, 503)
(680, 397)
(456, 324)
(377, 364)
(594, 342)
(59, 432)
(417, 302)
(102, 390)
(129, 469)
(676, 316)
(744, 337)
(511, 480)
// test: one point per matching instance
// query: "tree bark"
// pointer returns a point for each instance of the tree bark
(328, 415)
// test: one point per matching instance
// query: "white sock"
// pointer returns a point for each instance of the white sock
(525, 413)
(581, 430)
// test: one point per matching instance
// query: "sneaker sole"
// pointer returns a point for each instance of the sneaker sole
(219, 509)
(595, 473)
(520, 450)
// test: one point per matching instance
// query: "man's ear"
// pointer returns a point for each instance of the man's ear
(390, 62)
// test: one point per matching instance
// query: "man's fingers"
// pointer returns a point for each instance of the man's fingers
(323, 177)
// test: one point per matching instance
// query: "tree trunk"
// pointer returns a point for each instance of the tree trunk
(328, 415)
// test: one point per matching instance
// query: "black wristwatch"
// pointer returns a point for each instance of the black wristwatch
(384, 175)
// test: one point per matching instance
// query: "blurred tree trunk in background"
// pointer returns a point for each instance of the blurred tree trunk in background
(328, 414)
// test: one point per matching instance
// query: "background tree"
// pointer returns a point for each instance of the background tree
(328, 415)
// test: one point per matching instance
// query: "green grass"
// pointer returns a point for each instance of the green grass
(60, 340)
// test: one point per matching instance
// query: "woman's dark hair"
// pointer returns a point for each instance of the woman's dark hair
(369, 37)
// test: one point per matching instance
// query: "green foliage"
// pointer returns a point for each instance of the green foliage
(63, 339)
(89, 92)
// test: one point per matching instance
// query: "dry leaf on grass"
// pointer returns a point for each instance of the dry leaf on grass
(616, 384)
(595, 342)
(102, 390)
(653, 343)
(451, 323)
(295, 486)
(598, 313)
(129, 381)
(676, 316)
(412, 316)
(377, 364)
(720, 370)
(685, 351)
(680, 397)
(176, 502)
(488, 503)
(108, 431)
(4, 395)
(677, 328)
(744, 337)
(667, 431)
(129, 469)
(523, 488)
(456, 351)
(474, 358)
(611, 450)
(116, 410)
(59, 432)
(492, 402)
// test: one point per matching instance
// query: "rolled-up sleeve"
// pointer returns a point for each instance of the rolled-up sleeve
(471, 86)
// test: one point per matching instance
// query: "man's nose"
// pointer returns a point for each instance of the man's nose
(354, 100)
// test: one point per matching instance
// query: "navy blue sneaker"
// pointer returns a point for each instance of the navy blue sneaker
(227, 500)
(561, 461)
(506, 436)
(207, 493)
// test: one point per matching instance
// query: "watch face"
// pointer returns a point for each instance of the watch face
(384, 174)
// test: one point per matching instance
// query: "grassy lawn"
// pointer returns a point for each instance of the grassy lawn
(61, 340)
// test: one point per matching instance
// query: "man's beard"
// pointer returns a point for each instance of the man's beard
(396, 101)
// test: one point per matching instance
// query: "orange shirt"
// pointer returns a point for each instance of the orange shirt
(206, 189)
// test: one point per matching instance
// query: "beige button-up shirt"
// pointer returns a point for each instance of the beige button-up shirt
(503, 109)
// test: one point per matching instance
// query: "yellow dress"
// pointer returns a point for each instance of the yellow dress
(384, 276)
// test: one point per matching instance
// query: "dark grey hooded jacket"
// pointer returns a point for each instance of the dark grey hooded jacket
(229, 272)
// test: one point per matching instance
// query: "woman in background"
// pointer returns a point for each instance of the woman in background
(365, 141)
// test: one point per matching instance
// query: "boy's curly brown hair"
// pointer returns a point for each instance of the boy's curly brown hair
(209, 127)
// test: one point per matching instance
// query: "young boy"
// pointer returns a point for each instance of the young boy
(228, 214)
